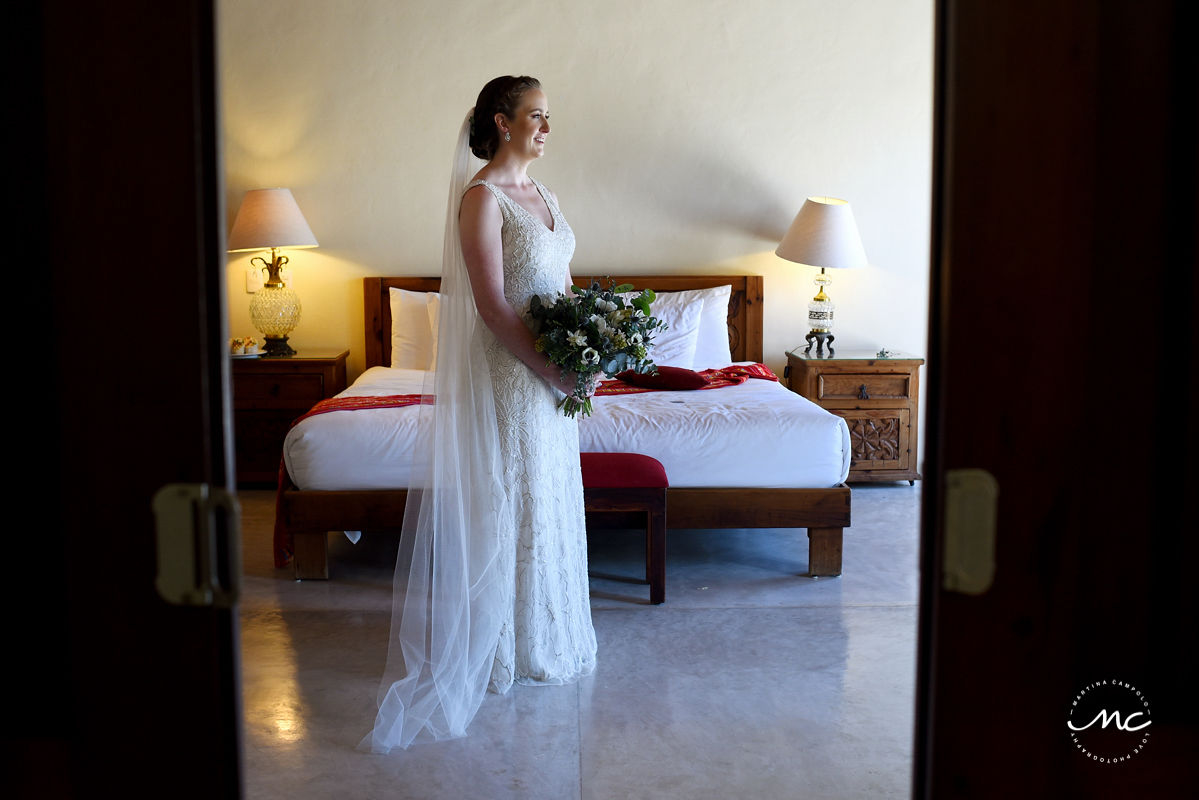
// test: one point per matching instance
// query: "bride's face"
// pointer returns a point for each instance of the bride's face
(531, 125)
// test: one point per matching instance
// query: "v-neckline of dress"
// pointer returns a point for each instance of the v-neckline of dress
(532, 216)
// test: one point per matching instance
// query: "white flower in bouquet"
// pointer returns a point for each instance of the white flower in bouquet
(591, 356)
(577, 338)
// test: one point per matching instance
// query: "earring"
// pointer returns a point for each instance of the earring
(507, 136)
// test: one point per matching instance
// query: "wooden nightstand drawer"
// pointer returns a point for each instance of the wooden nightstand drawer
(832, 386)
(279, 391)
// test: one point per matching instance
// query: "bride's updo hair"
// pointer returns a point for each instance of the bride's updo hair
(500, 96)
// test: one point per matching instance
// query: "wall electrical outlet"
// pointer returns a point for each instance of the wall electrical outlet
(253, 279)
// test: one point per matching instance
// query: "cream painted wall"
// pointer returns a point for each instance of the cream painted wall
(686, 135)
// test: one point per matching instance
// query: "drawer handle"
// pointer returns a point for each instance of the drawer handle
(275, 390)
(862, 393)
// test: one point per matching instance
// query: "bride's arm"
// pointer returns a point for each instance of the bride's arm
(480, 221)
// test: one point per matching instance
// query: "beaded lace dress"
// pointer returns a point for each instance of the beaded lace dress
(547, 635)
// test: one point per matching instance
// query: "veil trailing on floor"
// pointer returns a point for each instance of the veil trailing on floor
(449, 593)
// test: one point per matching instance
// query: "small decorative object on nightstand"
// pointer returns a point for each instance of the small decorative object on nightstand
(267, 395)
(878, 395)
(823, 235)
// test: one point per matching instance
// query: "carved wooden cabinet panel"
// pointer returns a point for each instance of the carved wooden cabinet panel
(879, 400)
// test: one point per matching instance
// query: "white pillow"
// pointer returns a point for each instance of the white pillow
(411, 335)
(433, 307)
(712, 339)
(675, 346)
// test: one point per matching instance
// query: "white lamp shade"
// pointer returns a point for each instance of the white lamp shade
(824, 234)
(269, 218)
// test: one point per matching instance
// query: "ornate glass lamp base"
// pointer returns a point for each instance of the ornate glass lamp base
(275, 311)
(820, 337)
(277, 347)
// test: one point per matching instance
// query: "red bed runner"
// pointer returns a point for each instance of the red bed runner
(284, 549)
(717, 378)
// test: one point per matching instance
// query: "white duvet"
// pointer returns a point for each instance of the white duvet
(756, 434)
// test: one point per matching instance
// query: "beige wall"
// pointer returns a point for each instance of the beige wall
(686, 135)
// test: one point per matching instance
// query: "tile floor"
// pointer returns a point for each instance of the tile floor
(750, 681)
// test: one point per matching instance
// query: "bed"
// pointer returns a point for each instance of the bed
(728, 467)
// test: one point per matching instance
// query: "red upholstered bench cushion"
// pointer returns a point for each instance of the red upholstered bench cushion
(621, 471)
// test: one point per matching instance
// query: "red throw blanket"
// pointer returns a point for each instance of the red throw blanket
(284, 549)
(717, 378)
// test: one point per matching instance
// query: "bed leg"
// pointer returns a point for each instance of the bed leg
(311, 555)
(824, 551)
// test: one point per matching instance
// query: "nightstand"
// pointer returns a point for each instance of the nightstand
(879, 400)
(268, 393)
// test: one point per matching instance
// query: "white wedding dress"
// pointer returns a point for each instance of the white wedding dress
(490, 582)
(547, 634)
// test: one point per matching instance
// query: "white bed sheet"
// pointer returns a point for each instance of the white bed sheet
(756, 434)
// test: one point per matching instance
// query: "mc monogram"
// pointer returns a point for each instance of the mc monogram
(1122, 713)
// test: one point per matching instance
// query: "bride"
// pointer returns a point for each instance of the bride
(491, 580)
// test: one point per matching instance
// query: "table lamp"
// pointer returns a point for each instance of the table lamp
(270, 218)
(823, 235)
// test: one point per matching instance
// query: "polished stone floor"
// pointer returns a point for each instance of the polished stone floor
(750, 681)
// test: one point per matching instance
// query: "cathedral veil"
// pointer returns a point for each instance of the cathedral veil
(448, 599)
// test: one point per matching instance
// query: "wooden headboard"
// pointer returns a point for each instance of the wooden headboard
(745, 307)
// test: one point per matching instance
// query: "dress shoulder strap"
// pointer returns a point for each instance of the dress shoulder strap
(546, 194)
(501, 199)
(495, 190)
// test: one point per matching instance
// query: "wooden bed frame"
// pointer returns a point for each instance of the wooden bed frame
(311, 515)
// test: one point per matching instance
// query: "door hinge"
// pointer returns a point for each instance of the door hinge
(971, 508)
(196, 527)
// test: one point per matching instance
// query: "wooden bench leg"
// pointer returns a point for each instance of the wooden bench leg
(311, 555)
(824, 551)
(655, 552)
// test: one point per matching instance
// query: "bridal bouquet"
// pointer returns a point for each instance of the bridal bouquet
(596, 330)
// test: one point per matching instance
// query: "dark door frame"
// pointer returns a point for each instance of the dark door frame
(1062, 360)
(117, 290)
